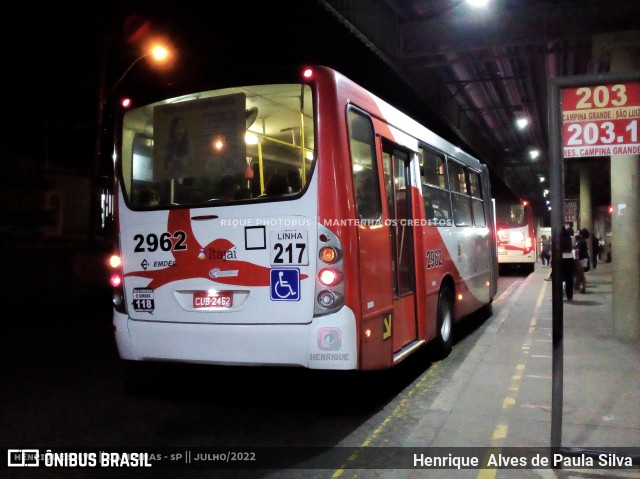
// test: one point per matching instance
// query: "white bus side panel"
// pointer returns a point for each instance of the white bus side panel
(467, 246)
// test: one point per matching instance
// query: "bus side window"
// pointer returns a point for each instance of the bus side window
(437, 204)
(437, 201)
(460, 198)
(364, 166)
(476, 199)
(461, 209)
(432, 168)
(428, 208)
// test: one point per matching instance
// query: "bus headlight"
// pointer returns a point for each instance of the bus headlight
(528, 244)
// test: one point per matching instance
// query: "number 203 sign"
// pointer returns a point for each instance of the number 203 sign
(601, 120)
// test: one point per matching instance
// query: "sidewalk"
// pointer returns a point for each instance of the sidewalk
(601, 372)
(501, 396)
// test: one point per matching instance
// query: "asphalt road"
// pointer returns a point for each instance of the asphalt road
(63, 385)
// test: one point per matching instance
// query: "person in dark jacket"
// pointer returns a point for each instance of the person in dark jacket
(568, 262)
(545, 253)
(595, 251)
(582, 260)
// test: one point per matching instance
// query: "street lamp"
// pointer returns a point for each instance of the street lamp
(159, 53)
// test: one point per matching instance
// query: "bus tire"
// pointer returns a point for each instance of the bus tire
(444, 332)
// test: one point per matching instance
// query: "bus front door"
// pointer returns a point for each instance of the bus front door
(398, 198)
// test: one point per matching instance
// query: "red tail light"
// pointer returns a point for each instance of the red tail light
(329, 277)
(116, 280)
(329, 280)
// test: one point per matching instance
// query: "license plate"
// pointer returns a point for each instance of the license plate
(221, 299)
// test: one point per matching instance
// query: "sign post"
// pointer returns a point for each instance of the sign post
(589, 115)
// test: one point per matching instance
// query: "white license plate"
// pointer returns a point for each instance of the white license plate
(221, 299)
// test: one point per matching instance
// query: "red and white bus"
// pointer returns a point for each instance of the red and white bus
(304, 222)
(515, 235)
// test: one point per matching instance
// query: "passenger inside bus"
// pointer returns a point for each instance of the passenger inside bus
(428, 208)
(277, 185)
(228, 187)
(149, 197)
(295, 183)
(367, 203)
(243, 193)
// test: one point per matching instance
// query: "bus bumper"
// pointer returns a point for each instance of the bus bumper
(328, 342)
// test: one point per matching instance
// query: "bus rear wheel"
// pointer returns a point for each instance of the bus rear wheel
(444, 334)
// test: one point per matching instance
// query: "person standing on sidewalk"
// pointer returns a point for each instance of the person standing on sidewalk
(568, 262)
(582, 260)
(570, 228)
(595, 250)
(545, 254)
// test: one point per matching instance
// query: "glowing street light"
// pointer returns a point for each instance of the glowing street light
(158, 52)
(478, 3)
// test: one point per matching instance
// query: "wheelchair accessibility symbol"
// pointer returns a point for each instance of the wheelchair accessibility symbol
(285, 284)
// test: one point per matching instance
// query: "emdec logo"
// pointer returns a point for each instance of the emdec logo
(23, 458)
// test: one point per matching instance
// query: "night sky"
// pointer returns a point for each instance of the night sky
(57, 50)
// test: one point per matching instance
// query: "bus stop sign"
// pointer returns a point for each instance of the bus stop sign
(601, 120)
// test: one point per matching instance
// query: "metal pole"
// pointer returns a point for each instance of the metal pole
(556, 182)
(556, 164)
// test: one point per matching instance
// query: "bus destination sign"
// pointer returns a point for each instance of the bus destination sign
(601, 120)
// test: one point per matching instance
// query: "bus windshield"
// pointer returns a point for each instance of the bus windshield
(510, 215)
(253, 143)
